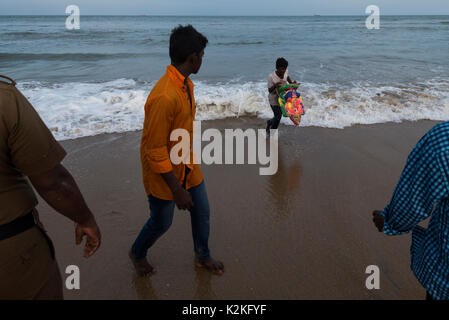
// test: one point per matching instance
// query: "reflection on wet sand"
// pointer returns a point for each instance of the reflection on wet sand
(144, 288)
(204, 289)
(203, 286)
(284, 186)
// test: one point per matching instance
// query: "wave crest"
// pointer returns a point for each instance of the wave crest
(73, 110)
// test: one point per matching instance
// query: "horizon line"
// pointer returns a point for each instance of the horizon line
(207, 15)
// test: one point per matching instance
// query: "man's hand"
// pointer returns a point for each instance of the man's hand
(182, 199)
(58, 188)
(280, 84)
(92, 232)
(378, 220)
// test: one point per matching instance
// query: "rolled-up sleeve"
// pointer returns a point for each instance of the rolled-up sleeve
(161, 111)
(421, 186)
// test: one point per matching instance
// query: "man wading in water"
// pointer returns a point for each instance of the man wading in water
(277, 79)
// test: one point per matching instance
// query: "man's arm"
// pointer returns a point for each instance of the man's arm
(276, 86)
(58, 188)
(420, 187)
(272, 88)
(291, 81)
(181, 197)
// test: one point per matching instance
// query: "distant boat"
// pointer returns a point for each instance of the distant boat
(317, 15)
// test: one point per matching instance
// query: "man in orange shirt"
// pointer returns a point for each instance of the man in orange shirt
(171, 106)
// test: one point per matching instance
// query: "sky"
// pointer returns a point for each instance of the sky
(224, 7)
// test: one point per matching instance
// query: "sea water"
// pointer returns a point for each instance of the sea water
(96, 79)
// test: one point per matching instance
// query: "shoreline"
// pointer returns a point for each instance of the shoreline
(248, 120)
(304, 233)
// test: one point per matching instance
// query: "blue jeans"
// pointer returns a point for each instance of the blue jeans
(161, 217)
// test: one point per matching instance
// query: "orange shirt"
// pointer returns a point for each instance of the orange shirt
(167, 108)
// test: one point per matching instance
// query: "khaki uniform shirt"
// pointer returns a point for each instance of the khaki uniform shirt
(27, 147)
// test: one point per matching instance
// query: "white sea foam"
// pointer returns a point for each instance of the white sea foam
(75, 110)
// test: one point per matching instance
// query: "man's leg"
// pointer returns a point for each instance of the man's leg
(52, 289)
(200, 219)
(161, 218)
(28, 269)
(271, 121)
(277, 116)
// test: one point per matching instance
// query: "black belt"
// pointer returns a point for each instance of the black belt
(17, 226)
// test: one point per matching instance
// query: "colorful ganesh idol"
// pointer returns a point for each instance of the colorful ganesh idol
(290, 102)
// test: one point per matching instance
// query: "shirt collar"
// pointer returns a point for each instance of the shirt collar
(177, 77)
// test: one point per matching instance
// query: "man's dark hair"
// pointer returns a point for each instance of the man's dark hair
(281, 63)
(185, 40)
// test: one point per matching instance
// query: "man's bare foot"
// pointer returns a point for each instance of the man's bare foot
(143, 268)
(212, 265)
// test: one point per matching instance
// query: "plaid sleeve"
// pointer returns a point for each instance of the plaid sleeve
(421, 186)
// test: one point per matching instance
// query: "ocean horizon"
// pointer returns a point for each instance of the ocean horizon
(234, 15)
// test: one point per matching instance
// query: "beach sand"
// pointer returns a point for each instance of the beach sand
(304, 233)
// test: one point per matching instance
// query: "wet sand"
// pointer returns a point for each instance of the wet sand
(304, 233)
